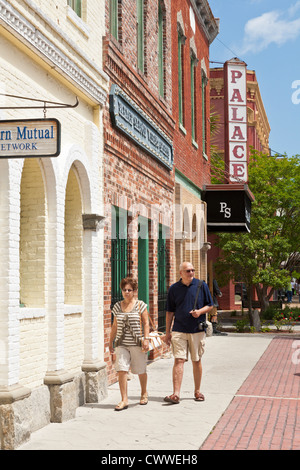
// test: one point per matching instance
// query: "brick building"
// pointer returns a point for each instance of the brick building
(258, 131)
(51, 324)
(138, 159)
(193, 30)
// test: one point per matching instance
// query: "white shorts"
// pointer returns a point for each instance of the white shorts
(131, 357)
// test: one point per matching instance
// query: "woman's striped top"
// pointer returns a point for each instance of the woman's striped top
(128, 324)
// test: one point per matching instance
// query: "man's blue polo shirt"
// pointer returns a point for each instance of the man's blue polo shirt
(181, 299)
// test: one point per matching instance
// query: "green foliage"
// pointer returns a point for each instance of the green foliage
(256, 258)
(242, 325)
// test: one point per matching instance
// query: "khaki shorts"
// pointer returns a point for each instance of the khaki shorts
(132, 358)
(183, 343)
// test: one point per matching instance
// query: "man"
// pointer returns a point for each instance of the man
(186, 335)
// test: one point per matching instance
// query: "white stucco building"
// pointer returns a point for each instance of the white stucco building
(51, 261)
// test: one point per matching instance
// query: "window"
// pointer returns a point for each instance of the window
(161, 48)
(194, 62)
(204, 129)
(181, 41)
(76, 6)
(113, 19)
(119, 252)
(140, 35)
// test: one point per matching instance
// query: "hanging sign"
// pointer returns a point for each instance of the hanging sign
(30, 138)
(236, 120)
(228, 207)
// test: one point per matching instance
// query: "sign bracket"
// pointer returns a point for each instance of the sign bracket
(46, 104)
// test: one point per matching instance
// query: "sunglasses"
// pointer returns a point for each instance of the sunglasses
(127, 290)
(189, 270)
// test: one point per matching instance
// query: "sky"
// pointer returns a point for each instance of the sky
(266, 35)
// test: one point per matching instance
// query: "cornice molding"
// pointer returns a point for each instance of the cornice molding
(21, 28)
(207, 20)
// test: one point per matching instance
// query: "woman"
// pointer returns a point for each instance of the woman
(126, 332)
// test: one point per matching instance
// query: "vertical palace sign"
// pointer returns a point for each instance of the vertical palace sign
(236, 120)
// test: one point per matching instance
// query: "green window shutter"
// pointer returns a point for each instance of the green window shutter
(160, 49)
(76, 6)
(113, 18)
(140, 35)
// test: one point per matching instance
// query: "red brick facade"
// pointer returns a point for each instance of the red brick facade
(132, 176)
(134, 180)
(193, 29)
(189, 158)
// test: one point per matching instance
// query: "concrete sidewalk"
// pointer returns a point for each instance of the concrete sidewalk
(227, 362)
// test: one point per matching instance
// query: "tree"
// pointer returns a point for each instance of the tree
(258, 258)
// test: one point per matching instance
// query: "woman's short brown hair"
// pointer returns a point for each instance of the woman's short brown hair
(129, 280)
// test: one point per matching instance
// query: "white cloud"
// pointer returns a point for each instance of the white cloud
(294, 8)
(270, 27)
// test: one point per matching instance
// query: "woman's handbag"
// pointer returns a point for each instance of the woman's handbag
(155, 337)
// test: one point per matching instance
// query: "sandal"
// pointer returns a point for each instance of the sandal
(144, 400)
(172, 399)
(199, 396)
(121, 406)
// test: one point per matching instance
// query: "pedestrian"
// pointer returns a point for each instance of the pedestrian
(289, 292)
(129, 314)
(185, 328)
(294, 286)
(214, 313)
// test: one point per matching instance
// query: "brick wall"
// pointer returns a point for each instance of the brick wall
(133, 179)
(189, 159)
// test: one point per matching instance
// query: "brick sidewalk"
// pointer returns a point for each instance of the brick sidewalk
(265, 412)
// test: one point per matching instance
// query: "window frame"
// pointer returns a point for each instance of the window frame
(193, 65)
(161, 49)
(114, 18)
(76, 6)
(181, 42)
(140, 9)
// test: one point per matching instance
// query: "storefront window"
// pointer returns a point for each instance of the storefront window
(119, 252)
